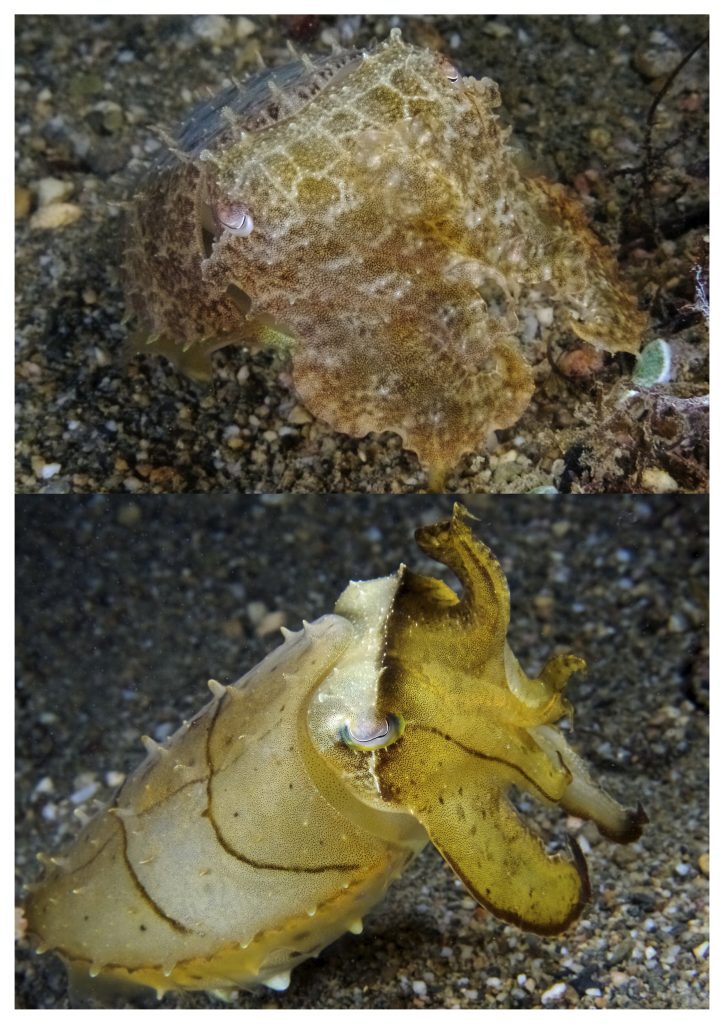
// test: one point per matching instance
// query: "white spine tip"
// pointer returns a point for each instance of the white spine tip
(355, 927)
(279, 982)
(217, 690)
(151, 746)
(121, 812)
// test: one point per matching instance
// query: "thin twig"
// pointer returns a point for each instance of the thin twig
(648, 135)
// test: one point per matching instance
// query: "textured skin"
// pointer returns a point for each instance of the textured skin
(393, 241)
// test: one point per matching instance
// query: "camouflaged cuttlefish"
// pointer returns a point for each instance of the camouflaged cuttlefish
(364, 212)
(275, 819)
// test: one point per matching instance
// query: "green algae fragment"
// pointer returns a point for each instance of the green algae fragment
(653, 365)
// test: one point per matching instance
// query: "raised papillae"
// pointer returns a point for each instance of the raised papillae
(272, 822)
(365, 212)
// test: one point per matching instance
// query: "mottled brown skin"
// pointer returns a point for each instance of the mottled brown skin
(393, 242)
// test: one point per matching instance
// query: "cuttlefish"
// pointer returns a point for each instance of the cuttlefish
(273, 820)
(364, 213)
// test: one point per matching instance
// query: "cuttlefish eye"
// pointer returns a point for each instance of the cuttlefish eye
(235, 218)
(449, 70)
(372, 733)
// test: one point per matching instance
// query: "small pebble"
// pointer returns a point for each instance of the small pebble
(45, 785)
(554, 994)
(584, 361)
(81, 795)
(544, 315)
(212, 27)
(256, 610)
(23, 200)
(54, 216)
(497, 29)
(53, 190)
(600, 138)
(620, 952)
(244, 27)
(419, 988)
(544, 607)
(659, 57)
(299, 415)
(233, 628)
(659, 481)
(49, 812)
(271, 623)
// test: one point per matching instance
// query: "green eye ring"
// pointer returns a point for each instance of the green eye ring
(373, 735)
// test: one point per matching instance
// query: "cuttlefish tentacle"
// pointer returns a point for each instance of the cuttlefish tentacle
(587, 800)
(476, 725)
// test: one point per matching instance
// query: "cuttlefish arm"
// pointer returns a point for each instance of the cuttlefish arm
(475, 725)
